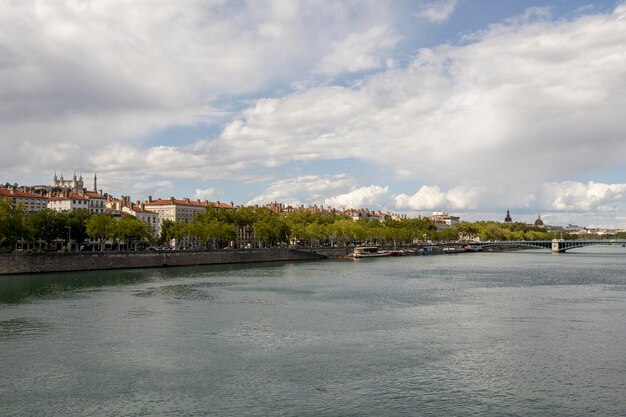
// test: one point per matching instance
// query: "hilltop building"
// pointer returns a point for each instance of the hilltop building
(539, 222)
(508, 219)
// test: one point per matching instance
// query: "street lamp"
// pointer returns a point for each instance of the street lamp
(69, 238)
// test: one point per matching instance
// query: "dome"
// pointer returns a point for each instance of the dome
(508, 219)
(539, 222)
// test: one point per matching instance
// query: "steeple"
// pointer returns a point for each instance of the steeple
(508, 219)
(95, 182)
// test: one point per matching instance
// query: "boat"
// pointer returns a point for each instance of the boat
(452, 249)
(469, 248)
(368, 252)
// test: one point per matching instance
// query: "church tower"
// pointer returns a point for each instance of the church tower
(508, 219)
(95, 182)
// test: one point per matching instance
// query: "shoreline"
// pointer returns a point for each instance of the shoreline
(52, 262)
(41, 263)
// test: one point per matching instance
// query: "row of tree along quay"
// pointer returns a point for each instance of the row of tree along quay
(49, 230)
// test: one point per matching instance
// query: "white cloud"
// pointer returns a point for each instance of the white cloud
(590, 197)
(373, 196)
(561, 203)
(305, 189)
(438, 11)
(83, 75)
(431, 197)
(359, 52)
(205, 194)
(526, 102)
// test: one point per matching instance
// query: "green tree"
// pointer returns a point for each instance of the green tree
(13, 225)
(101, 227)
(271, 229)
(132, 231)
(48, 225)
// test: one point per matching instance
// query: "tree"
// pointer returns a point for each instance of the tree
(12, 225)
(101, 227)
(48, 225)
(132, 230)
(271, 229)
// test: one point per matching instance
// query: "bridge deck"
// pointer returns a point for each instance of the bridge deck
(556, 245)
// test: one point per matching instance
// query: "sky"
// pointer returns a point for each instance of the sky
(475, 107)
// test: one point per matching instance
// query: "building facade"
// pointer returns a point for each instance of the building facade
(139, 211)
(31, 202)
(68, 201)
(443, 220)
(180, 210)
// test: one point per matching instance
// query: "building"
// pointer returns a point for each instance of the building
(508, 219)
(443, 220)
(539, 223)
(180, 210)
(358, 214)
(68, 201)
(139, 211)
(32, 202)
(75, 184)
(97, 202)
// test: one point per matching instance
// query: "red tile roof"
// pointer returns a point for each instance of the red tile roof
(187, 202)
(138, 209)
(70, 196)
(92, 194)
(6, 192)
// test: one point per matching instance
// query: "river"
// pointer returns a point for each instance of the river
(519, 333)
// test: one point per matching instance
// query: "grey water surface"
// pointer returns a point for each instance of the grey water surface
(519, 334)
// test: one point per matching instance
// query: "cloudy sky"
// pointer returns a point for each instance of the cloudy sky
(474, 107)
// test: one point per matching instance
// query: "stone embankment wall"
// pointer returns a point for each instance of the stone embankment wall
(23, 263)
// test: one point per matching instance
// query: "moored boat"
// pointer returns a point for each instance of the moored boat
(368, 252)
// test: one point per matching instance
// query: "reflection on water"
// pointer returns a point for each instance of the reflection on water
(19, 288)
(22, 326)
(524, 333)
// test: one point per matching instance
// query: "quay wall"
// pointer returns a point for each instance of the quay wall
(28, 263)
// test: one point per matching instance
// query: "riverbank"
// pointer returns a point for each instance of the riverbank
(29, 263)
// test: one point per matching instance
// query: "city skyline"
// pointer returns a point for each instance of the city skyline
(401, 106)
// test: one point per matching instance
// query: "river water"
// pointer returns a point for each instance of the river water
(519, 334)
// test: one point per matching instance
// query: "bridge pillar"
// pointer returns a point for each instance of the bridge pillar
(556, 245)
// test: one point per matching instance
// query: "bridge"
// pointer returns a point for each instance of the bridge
(556, 245)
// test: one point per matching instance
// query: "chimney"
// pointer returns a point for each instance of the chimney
(172, 199)
(149, 199)
(187, 200)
